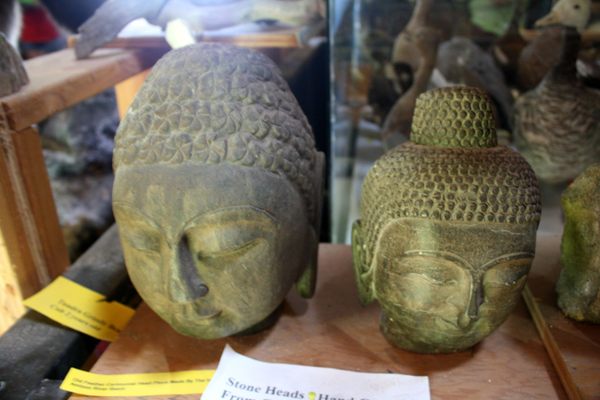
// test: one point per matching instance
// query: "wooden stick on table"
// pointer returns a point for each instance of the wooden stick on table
(551, 347)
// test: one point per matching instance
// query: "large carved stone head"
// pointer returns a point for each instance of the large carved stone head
(578, 286)
(218, 190)
(447, 234)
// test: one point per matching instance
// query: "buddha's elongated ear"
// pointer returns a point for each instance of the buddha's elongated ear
(308, 280)
(305, 285)
(363, 275)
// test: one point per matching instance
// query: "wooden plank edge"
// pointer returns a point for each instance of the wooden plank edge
(33, 172)
(22, 203)
(34, 104)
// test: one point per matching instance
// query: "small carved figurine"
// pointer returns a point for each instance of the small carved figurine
(557, 125)
(447, 230)
(578, 286)
(12, 72)
(217, 190)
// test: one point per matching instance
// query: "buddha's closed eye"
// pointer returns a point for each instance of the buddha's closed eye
(422, 271)
(229, 234)
(507, 271)
(424, 279)
(233, 251)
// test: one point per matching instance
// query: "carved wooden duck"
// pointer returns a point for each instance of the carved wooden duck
(557, 125)
(182, 20)
(396, 126)
(540, 55)
(575, 13)
(406, 54)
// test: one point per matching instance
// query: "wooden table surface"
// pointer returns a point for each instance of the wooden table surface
(333, 330)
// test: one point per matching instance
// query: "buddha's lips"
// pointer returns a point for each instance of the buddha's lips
(198, 311)
(210, 316)
(201, 313)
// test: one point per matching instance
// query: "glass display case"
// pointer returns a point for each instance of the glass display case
(384, 54)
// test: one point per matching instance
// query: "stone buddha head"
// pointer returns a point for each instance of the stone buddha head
(447, 230)
(217, 190)
(578, 286)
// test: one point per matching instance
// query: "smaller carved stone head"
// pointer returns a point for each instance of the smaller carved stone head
(217, 190)
(447, 230)
(578, 286)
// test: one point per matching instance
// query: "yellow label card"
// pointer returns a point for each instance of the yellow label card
(153, 384)
(80, 308)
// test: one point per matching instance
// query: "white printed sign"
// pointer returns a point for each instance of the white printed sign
(242, 378)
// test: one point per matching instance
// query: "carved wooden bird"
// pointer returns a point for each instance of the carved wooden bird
(406, 55)
(463, 62)
(574, 13)
(114, 15)
(182, 20)
(557, 125)
(540, 55)
(398, 121)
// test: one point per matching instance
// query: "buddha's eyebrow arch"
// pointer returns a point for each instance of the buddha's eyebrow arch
(128, 208)
(258, 214)
(440, 253)
(507, 257)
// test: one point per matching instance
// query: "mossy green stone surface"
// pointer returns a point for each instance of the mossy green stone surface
(447, 230)
(578, 286)
(217, 191)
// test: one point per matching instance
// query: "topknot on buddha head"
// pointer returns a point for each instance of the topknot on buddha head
(454, 117)
(212, 103)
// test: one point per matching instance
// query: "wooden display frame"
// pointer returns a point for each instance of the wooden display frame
(32, 247)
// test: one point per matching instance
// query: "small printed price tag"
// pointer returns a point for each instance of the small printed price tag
(151, 384)
(81, 309)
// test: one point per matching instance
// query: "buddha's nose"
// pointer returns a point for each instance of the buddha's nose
(183, 281)
(472, 313)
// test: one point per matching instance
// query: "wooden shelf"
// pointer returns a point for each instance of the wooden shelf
(278, 39)
(58, 81)
(246, 35)
(333, 330)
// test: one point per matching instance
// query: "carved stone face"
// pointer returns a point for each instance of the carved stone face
(447, 230)
(212, 249)
(444, 286)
